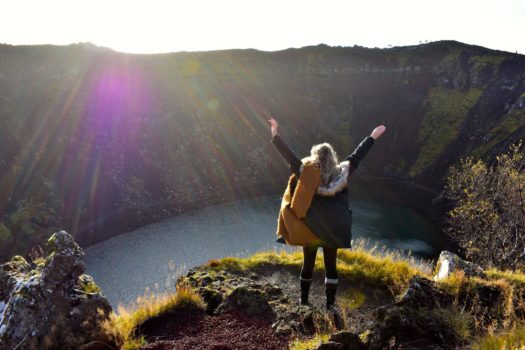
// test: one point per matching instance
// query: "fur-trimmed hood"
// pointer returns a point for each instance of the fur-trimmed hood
(337, 184)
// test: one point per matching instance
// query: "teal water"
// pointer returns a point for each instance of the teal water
(152, 257)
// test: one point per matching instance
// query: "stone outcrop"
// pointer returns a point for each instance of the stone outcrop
(449, 262)
(428, 315)
(348, 340)
(51, 303)
(423, 293)
(226, 290)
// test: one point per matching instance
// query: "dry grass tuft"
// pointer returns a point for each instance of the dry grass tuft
(511, 340)
(122, 324)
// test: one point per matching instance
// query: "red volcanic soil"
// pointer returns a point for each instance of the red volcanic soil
(228, 331)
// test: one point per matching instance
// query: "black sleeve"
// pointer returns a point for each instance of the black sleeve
(287, 153)
(360, 152)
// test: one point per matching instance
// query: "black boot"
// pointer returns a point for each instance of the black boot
(331, 290)
(305, 289)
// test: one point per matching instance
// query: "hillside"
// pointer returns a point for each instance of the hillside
(99, 142)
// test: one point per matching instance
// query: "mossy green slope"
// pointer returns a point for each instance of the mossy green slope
(445, 110)
(501, 131)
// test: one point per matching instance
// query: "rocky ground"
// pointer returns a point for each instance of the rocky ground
(260, 309)
(230, 330)
(252, 303)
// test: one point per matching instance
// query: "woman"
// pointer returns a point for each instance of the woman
(321, 216)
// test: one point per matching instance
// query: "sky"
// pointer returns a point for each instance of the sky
(155, 26)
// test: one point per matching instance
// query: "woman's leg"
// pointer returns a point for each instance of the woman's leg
(331, 281)
(309, 254)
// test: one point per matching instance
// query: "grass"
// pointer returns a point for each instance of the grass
(457, 320)
(480, 62)
(352, 299)
(325, 326)
(511, 340)
(501, 131)
(122, 324)
(516, 278)
(362, 266)
(446, 110)
(309, 343)
(373, 266)
(383, 268)
(466, 292)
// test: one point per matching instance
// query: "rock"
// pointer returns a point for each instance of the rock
(422, 292)
(349, 340)
(51, 305)
(449, 262)
(489, 304)
(249, 300)
(330, 346)
(212, 298)
(225, 290)
(401, 325)
(299, 318)
(418, 318)
(282, 329)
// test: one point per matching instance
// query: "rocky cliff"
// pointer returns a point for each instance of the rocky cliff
(99, 142)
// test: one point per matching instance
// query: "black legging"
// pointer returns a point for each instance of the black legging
(330, 259)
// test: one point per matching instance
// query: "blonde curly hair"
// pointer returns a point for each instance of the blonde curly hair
(324, 155)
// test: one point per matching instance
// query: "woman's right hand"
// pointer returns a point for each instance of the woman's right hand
(273, 126)
(378, 131)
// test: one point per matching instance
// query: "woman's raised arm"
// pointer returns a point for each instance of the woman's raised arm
(360, 152)
(284, 150)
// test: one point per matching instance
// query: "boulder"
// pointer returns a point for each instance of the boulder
(330, 346)
(422, 292)
(249, 300)
(420, 327)
(349, 340)
(51, 304)
(449, 262)
(226, 290)
(419, 318)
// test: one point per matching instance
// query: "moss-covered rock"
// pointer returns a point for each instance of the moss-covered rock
(54, 302)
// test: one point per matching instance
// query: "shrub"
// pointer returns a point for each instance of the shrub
(488, 215)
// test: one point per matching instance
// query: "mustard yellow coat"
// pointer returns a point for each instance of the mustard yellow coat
(295, 204)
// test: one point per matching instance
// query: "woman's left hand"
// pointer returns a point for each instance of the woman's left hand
(273, 125)
(378, 131)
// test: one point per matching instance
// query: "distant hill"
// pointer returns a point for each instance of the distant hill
(98, 142)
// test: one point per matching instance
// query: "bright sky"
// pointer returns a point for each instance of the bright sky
(149, 26)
